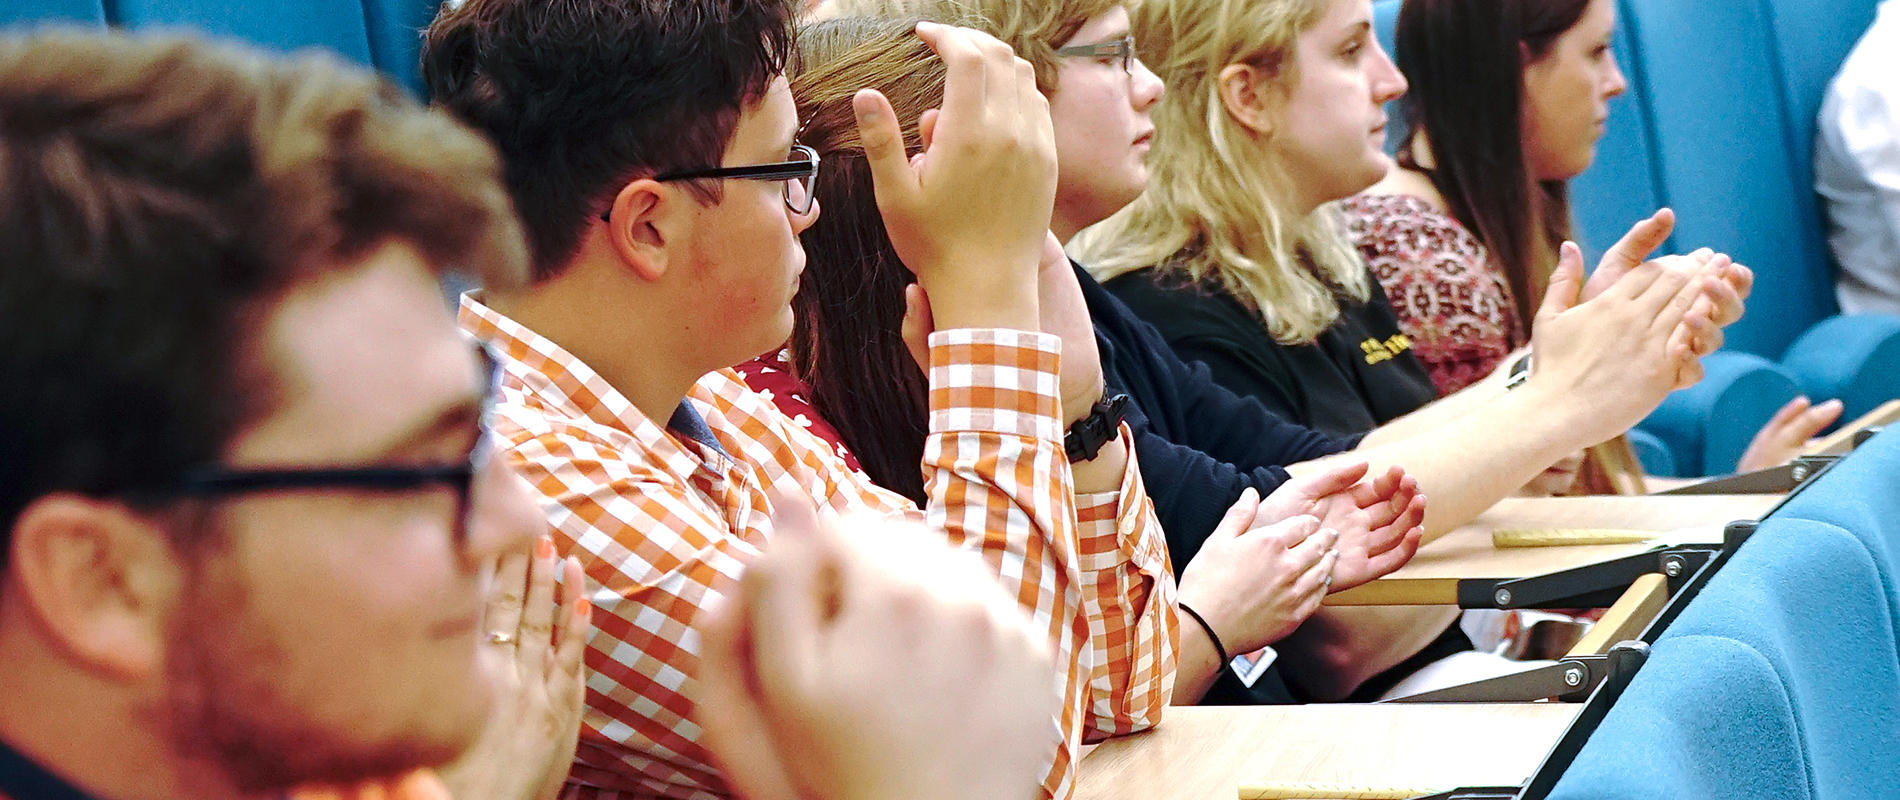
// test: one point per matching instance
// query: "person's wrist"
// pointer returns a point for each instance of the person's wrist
(995, 301)
(1195, 616)
(1549, 410)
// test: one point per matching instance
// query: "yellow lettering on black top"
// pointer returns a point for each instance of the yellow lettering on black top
(1378, 351)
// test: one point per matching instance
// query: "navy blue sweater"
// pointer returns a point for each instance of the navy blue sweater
(1199, 444)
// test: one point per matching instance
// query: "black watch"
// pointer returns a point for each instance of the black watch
(1086, 437)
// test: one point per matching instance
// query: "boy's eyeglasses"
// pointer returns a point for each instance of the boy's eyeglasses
(1123, 48)
(215, 481)
(797, 174)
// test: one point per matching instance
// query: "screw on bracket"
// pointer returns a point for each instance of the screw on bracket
(1573, 677)
(1799, 473)
(1672, 566)
(1503, 597)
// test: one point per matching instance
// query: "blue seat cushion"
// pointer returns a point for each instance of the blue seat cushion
(1859, 496)
(1807, 596)
(1854, 358)
(1709, 425)
(1706, 717)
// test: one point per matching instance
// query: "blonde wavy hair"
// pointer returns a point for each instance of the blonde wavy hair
(1215, 208)
(1033, 28)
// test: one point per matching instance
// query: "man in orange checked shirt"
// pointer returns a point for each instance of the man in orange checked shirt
(652, 153)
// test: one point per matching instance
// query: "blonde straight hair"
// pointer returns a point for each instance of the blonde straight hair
(1215, 210)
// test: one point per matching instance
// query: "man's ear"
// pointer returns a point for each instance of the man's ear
(101, 580)
(1244, 94)
(645, 220)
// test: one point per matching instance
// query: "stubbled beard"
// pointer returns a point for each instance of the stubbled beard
(226, 704)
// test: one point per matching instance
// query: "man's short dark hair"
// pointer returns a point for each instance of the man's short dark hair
(582, 96)
(157, 196)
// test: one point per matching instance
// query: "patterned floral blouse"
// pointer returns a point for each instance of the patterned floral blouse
(771, 376)
(1453, 302)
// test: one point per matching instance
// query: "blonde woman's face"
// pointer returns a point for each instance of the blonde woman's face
(1102, 128)
(1567, 96)
(1329, 133)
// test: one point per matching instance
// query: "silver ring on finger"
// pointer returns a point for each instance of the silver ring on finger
(506, 638)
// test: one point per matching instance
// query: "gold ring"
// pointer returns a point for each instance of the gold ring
(500, 637)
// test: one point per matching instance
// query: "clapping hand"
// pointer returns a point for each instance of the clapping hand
(864, 659)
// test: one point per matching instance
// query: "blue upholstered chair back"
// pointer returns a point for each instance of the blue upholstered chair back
(385, 34)
(1809, 597)
(1710, 75)
(1706, 717)
(1861, 495)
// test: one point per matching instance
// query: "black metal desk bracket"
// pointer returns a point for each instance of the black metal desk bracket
(1625, 660)
(1570, 680)
(1773, 480)
(1589, 586)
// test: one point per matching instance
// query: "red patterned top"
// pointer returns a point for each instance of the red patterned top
(771, 376)
(1451, 299)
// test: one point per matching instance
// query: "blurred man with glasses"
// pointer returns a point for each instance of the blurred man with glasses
(248, 517)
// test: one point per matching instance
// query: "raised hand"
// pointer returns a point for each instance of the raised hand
(968, 215)
(1380, 522)
(965, 695)
(1259, 576)
(1724, 298)
(1619, 352)
(528, 745)
(1779, 441)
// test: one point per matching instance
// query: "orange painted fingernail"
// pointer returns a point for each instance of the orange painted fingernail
(584, 608)
(544, 549)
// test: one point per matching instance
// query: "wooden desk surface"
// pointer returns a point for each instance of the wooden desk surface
(1431, 578)
(1208, 752)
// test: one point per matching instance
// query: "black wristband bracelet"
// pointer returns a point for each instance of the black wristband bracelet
(1211, 635)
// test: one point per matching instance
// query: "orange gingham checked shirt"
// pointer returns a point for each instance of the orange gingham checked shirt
(664, 521)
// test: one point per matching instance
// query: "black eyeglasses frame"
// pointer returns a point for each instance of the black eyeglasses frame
(800, 170)
(214, 481)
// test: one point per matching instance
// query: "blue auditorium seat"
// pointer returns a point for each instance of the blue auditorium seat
(1812, 38)
(1808, 597)
(21, 13)
(1708, 426)
(395, 38)
(1655, 456)
(283, 26)
(1859, 495)
(386, 34)
(1385, 25)
(1854, 358)
(1706, 717)
(1710, 74)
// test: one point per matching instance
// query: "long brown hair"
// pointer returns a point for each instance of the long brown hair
(1465, 62)
(847, 341)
